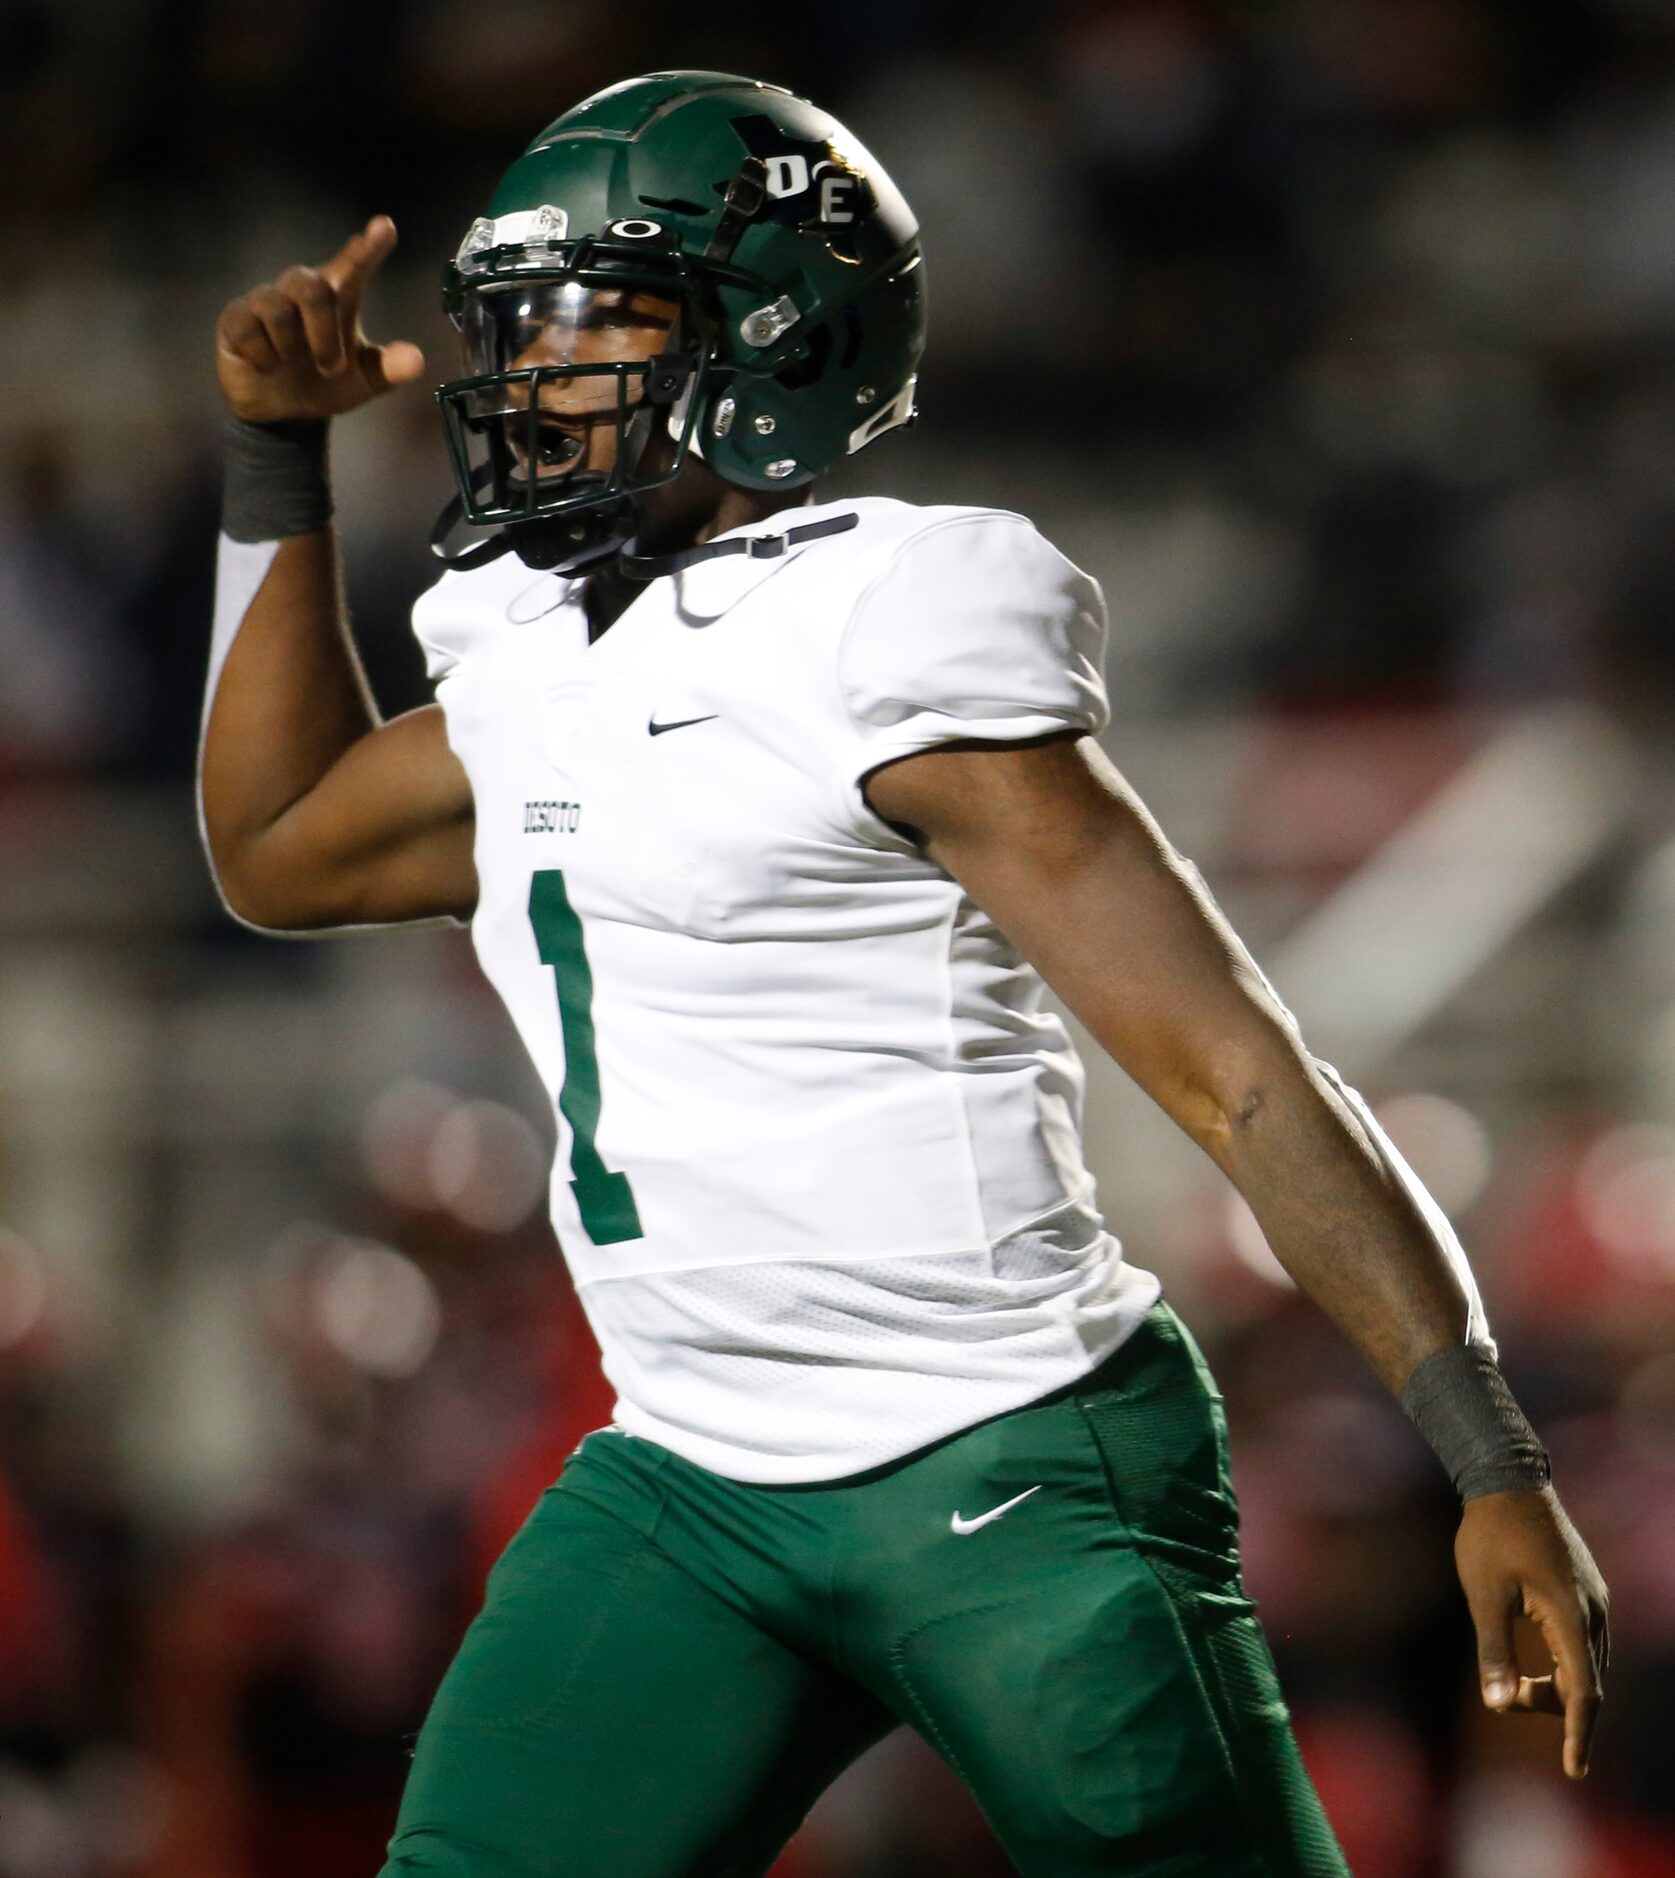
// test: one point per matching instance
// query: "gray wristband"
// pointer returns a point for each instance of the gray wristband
(1458, 1400)
(276, 481)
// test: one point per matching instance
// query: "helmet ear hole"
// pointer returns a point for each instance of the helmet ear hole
(808, 369)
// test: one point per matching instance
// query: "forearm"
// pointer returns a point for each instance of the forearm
(1344, 1215)
(1065, 857)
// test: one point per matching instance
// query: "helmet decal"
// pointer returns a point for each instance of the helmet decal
(812, 185)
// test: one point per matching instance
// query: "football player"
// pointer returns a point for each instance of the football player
(771, 815)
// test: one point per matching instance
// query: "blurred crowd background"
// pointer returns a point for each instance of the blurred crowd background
(1334, 336)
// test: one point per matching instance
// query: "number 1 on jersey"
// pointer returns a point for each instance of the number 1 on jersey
(605, 1200)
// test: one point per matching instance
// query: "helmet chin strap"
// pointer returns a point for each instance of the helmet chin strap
(470, 554)
(574, 545)
(569, 544)
(756, 547)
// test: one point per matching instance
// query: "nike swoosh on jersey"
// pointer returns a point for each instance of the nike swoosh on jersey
(963, 1526)
(656, 729)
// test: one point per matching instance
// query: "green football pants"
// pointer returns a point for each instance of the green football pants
(669, 1666)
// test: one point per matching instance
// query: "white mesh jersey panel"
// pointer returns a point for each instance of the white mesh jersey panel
(819, 1173)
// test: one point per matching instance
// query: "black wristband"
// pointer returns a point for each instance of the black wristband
(276, 481)
(1458, 1400)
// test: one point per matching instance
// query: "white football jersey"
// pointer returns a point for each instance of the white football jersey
(819, 1174)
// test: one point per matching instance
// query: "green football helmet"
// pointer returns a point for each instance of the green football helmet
(775, 255)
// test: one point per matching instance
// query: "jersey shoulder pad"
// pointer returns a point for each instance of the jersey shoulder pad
(971, 625)
(453, 619)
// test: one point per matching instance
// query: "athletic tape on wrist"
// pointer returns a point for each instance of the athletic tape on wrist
(276, 481)
(1458, 1400)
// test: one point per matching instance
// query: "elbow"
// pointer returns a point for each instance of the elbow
(1247, 1106)
(1256, 1068)
(248, 907)
(1216, 1117)
(250, 894)
(1232, 1105)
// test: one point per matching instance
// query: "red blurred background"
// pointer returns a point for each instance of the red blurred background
(1334, 337)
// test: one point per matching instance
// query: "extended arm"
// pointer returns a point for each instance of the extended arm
(1057, 849)
(1061, 854)
(315, 813)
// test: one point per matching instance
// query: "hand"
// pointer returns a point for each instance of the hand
(1517, 1553)
(294, 348)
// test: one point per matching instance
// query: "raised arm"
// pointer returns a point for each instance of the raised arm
(1062, 855)
(315, 814)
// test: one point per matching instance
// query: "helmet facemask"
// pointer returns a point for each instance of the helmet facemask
(587, 367)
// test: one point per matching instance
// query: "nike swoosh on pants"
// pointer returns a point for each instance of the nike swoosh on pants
(962, 1525)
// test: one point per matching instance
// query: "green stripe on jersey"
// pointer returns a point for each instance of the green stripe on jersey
(604, 1199)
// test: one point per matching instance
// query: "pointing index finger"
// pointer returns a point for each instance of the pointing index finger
(360, 257)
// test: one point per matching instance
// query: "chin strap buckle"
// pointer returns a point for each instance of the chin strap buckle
(757, 547)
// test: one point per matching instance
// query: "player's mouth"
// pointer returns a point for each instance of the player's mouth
(559, 447)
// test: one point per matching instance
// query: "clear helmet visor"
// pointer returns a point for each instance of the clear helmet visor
(520, 326)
